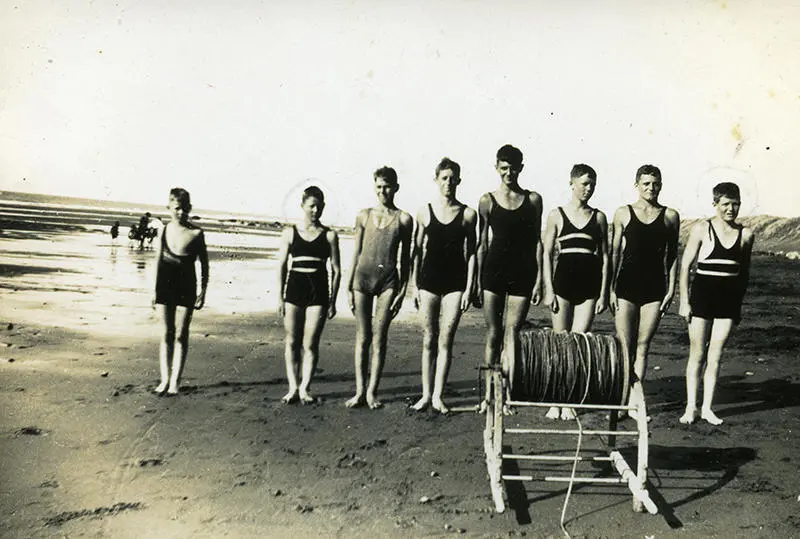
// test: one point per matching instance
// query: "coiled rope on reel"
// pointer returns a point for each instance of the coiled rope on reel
(570, 368)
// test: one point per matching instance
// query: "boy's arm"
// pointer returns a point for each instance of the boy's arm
(202, 255)
(283, 260)
(470, 220)
(484, 207)
(159, 248)
(602, 301)
(416, 254)
(336, 270)
(748, 239)
(536, 295)
(690, 253)
(549, 242)
(621, 218)
(357, 241)
(406, 231)
(671, 258)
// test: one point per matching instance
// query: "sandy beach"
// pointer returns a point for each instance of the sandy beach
(88, 450)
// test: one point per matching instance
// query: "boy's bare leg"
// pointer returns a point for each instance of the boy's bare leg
(363, 308)
(720, 330)
(450, 315)
(562, 320)
(699, 332)
(167, 346)
(429, 307)
(293, 321)
(315, 323)
(183, 317)
(380, 333)
(493, 307)
(517, 310)
(582, 319)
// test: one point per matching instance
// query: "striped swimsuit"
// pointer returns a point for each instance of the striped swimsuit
(579, 268)
(307, 283)
(717, 289)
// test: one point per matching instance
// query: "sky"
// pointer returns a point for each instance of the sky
(244, 103)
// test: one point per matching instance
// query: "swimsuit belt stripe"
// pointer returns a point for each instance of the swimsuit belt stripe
(576, 235)
(306, 259)
(720, 261)
(580, 250)
(717, 273)
(304, 270)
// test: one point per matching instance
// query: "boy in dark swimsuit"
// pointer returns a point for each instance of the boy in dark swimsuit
(444, 267)
(307, 298)
(578, 288)
(713, 308)
(509, 262)
(182, 243)
(644, 257)
(380, 232)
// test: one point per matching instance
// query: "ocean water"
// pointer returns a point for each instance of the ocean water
(84, 280)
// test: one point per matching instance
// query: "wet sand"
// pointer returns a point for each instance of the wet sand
(87, 449)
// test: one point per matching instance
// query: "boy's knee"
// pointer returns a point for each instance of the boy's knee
(429, 339)
(183, 338)
(169, 334)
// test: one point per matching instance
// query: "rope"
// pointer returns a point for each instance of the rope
(572, 477)
(569, 368)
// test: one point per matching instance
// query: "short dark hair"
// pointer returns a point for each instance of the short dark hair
(726, 189)
(182, 196)
(650, 170)
(387, 173)
(511, 155)
(581, 169)
(313, 191)
(448, 164)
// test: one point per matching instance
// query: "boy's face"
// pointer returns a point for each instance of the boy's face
(176, 209)
(583, 187)
(447, 182)
(385, 190)
(313, 207)
(728, 208)
(508, 172)
(649, 187)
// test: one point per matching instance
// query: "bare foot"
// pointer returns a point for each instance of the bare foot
(356, 401)
(567, 414)
(290, 397)
(483, 406)
(161, 388)
(552, 413)
(421, 404)
(307, 398)
(173, 391)
(507, 410)
(373, 403)
(710, 416)
(635, 415)
(440, 407)
(688, 416)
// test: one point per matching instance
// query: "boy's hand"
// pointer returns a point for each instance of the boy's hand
(416, 299)
(200, 301)
(331, 311)
(281, 308)
(465, 302)
(553, 304)
(613, 304)
(351, 300)
(600, 306)
(685, 311)
(536, 295)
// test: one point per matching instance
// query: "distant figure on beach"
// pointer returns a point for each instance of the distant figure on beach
(509, 263)
(114, 232)
(578, 288)
(721, 247)
(307, 297)
(374, 283)
(142, 230)
(644, 257)
(182, 244)
(444, 270)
